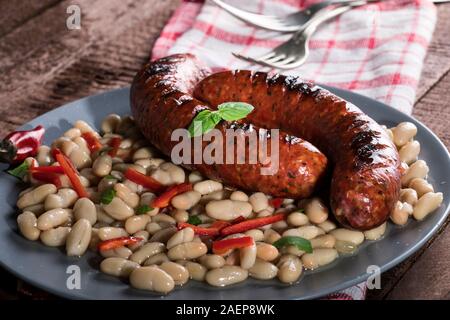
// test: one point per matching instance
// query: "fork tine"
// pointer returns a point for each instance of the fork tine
(274, 59)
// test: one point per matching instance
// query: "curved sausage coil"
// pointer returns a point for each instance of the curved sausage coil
(168, 93)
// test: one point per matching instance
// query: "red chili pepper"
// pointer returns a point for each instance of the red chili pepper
(114, 143)
(92, 141)
(143, 180)
(117, 242)
(222, 246)
(276, 202)
(251, 224)
(47, 169)
(71, 172)
(18, 145)
(164, 199)
(48, 177)
(238, 219)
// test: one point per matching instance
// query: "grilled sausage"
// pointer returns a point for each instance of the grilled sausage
(366, 176)
(161, 101)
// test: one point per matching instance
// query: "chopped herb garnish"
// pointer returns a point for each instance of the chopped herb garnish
(110, 177)
(194, 220)
(143, 209)
(299, 242)
(107, 196)
(20, 171)
(300, 210)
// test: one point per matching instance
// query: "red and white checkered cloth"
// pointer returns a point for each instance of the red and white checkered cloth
(376, 50)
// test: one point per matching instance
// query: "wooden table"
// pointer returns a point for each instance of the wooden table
(44, 65)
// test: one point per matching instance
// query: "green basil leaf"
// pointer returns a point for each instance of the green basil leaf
(203, 122)
(300, 210)
(143, 209)
(194, 220)
(110, 177)
(107, 196)
(20, 171)
(299, 242)
(231, 111)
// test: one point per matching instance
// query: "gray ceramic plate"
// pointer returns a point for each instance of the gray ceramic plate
(46, 267)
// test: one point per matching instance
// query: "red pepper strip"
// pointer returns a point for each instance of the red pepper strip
(92, 142)
(115, 144)
(19, 145)
(211, 231)
(48, 177)
(222, 246)
(47, 169)
(219, 224)
(164, 199)
(276, 202)
(143, 180)
(71, 172)
(118, 242)
(251, 224)
(238, 219)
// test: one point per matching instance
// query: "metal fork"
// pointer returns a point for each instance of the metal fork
(295, 51)
(290, 23)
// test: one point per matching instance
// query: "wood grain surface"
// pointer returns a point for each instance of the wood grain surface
(44, 65)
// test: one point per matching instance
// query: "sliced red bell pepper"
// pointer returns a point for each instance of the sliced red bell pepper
(118, 242)
(276, 202)
(92, 141)
(114, 143)
(251, 224)
(163, 200)
(143, 180)
(222, 246)
(48, 177)
(19, 145)
(71, 172)
(47, 169)
(211, 231)
(238, 219)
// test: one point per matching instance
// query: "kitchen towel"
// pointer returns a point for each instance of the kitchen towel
(376, 50)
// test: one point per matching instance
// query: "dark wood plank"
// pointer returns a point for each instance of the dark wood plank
(15, 13)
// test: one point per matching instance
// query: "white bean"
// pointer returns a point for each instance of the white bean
(55, 237)
(263, 270)
(375, 233)
(102, 216)
(147, 199)
(110, 123)
(212, 261)
(37, 209)
(196, 271)
(401, 212)
(156, 259)
(136, 223)
(409, 152)
(289, 268)
(179, 274)
(259, 201)
(182, 236)
(84, 208)
(102, 165)
(143, 234)
(118, 267)
(207, 187)
(297, 219)
(256, 234)
(248, 256)
(52, 218)
(186, 200)
(120, 252)
(176, 173)
(427, 204)
(270, 236)
(409, 195)
(43, 156)
(146, 251)
(64, 198)
(118, 209)
(107, 233)
(238, 196)
(226, 275)
(418, 169)
(36, 195)
(266, 251)
(228, 209)
(421, 186)
(316, 211)
(129, 197)
(143, 153)
(180, 215)
(28, 225)
(195, 177)
(403, 133)
(324, 241)
(307, 232)
(353, 236)
(318, 258)
(188, 250)
(152, 278)
(79, 238)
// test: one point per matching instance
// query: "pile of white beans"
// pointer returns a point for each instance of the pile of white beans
(168, 257)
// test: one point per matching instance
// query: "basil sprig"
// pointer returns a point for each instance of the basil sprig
(20, 171)
(207, 120)
(194, 220)
(143, 209)
(299, 242)
(107, 196)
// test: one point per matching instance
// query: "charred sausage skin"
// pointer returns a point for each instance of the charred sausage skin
(366, 175)
(162, 101)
